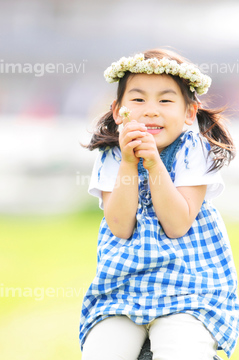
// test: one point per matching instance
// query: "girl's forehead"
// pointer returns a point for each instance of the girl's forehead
(151, 82)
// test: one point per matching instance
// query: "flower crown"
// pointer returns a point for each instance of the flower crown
(137, 64)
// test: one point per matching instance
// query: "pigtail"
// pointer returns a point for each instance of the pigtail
(212, 127)
(211, 121)
(105, 134)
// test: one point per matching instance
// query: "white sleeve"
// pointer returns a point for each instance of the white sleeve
(192, 168)
(104, 172)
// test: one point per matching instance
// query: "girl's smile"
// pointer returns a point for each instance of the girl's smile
(154, 129)
(157, 102)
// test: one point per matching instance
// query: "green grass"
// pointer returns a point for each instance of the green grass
(49, 262)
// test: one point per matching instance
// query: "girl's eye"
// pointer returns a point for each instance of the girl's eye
(138, 100)
(165, 101)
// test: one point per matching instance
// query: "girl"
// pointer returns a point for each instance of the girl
(165, 268)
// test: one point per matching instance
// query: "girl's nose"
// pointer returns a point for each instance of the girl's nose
(151, 111)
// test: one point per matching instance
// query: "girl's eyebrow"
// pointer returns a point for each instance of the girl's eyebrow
(166, 91)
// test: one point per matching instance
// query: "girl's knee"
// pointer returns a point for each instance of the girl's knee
(115, 338)
(181, 337)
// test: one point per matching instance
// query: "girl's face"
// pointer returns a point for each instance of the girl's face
(157, 101)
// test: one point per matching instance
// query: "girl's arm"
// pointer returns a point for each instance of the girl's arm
(121, 204)
(176, 208)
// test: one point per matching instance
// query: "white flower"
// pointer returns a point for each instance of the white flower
(164, 62)
(201, 90)
(175, 69)
(121, 74)
(139, 57)
(137, 64)
(183, 69)
(195, 78)
(148, 67)
(124, 112)
(159, 70)
(153, 62)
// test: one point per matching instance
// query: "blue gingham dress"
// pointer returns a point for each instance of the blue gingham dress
(150, 275)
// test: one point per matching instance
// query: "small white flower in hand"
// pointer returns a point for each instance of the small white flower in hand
(124, 112)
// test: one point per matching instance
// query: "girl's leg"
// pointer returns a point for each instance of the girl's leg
(115, 338)
(181, 337)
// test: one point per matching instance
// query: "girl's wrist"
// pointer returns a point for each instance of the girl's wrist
(156, 168)
(128, 174)
(127, 165)
(156, 165)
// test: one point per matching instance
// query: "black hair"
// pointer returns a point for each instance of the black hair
(211, 121)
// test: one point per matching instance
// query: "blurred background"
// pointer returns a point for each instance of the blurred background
(52, 57)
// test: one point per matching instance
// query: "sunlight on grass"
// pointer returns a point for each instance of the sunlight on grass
(49, 262)
(47, 265)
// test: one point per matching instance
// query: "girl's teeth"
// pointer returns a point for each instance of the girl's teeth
(153, 127)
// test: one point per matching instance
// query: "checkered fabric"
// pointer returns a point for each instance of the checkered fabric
(150, 275)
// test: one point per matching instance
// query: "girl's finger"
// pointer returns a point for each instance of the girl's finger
(128, 137)
(134, 125)
(133, 144)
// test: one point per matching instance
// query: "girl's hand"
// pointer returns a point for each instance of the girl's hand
(148, 151)
(130, 138)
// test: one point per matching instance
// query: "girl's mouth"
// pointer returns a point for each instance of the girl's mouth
(154, 129)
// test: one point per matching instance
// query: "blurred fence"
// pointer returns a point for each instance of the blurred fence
(43, 167)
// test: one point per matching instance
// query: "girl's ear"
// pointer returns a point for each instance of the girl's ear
(117, 118)
(191, 113)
